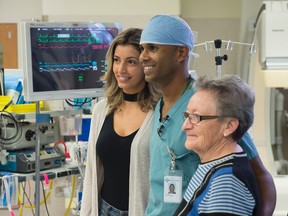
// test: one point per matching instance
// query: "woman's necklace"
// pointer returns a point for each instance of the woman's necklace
(130, 97)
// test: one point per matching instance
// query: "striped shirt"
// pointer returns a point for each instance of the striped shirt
(226, 185)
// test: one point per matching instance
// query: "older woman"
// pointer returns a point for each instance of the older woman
(218, 115)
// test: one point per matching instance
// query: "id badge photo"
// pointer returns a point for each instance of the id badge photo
(173, 186)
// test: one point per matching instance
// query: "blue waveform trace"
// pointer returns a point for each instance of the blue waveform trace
(64, 69)
(65, 65)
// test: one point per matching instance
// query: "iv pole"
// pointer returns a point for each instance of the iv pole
(40, 118)
(219, 58)
(37, 162)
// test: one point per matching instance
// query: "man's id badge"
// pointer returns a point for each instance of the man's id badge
(173, 186)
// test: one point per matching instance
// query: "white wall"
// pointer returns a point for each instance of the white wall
(109, 7)
(208, 9)
(130, 13)
(13, 11)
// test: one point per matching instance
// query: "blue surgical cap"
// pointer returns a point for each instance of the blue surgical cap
(168, 30)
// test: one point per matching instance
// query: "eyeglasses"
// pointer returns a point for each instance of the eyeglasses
(195, 118)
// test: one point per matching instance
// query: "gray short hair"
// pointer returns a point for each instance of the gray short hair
(235, 98)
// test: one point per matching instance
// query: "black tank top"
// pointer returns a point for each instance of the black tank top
(114, 152)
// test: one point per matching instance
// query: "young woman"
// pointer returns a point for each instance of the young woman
(117, 171)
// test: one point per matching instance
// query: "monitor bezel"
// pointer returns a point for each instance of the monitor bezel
(29, 94)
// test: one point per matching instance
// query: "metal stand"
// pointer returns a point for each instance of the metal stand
(37, 162)
(218, 44)
(218, 57)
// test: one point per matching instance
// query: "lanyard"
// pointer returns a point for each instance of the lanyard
(173, 157)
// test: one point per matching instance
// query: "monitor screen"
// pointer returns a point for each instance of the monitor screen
(65, 60)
